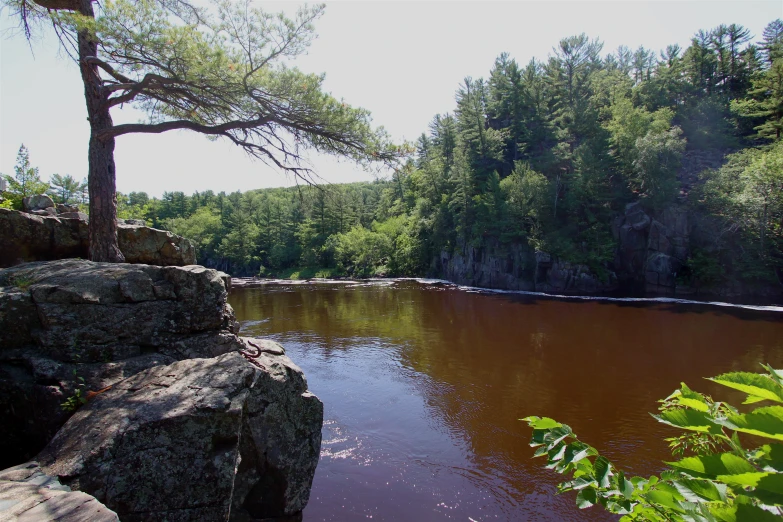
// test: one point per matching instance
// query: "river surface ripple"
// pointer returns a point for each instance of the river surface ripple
(424, 383)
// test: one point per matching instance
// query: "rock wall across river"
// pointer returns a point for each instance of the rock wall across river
(652, 255)
(177, 417)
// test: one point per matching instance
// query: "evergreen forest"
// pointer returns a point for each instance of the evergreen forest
(544, 154)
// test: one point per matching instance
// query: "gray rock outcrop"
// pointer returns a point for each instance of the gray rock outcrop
(652, 250)
(517, 267)
(26, 237)
(73, 325)
(27, 494)
(200, 439)
(37, 202)
(142, 244)
(177, 418)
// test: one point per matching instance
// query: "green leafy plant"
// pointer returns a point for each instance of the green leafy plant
(721, 480)
(79, 398)
(22, 282)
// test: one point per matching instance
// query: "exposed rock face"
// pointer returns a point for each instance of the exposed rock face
(480, 267)
(199, 439)
(63, 208)
(141, 244)
(652, 250)
(29, 495)
(103, 321)
(37, 202)
(185, 420)
(572, 278)
(81, 216)
(520, 268)
(26, 237)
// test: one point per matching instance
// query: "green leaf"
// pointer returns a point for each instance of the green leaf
(691, 399)
(696, 490)
(557, 453)
(626, 487)
(541, 450)
(743, 513)
(602, 471)
(767, 487)
(537, 439)
(583, 482)
(688, 419)
(775, 375)
(766, 421)
(771, 456)
(541, 423)
(710, 466)
(665, 499)
(556, 435)
(586, 498)
(754, 384)
(576, 451)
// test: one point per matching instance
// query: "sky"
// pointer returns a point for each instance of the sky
(403, 61)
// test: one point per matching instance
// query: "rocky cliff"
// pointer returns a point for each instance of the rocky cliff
(176, 416)
(651, 258)
(518, 267)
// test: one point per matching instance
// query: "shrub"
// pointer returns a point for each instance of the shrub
(720, 480)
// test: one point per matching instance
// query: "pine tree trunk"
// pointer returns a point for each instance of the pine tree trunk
(101, 178)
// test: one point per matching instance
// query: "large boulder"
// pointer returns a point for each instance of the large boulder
(176, 417)
(232, 437)
(69, 327)
(141, 244)
(63, 208)
(26, 237)
(37, 202)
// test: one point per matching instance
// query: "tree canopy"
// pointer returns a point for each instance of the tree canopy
(220, 68)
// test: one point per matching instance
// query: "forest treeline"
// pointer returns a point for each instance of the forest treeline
(544, 154)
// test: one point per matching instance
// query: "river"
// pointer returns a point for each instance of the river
(424, 383)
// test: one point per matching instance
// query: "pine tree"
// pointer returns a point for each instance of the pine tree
(65, 189)
(772, 41)
(764, 102)
(26, 181)
(209, 67)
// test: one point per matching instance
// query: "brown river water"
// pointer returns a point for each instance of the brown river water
(424, 384)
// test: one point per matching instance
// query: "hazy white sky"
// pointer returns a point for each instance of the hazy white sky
(401, 60)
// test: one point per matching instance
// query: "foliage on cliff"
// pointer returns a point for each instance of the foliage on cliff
(720, 479)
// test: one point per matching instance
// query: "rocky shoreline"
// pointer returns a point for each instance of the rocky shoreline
(129, 383)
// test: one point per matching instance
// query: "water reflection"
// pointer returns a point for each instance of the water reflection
(423, 386)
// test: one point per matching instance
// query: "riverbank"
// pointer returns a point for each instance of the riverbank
(755, 303)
